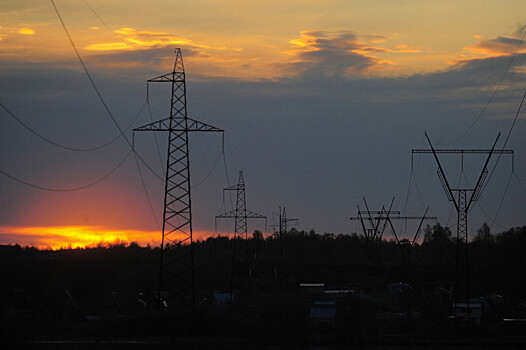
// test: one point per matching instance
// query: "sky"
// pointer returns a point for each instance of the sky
(321, 103)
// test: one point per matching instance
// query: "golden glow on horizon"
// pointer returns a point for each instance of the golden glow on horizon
(56, 237)
(26, 31)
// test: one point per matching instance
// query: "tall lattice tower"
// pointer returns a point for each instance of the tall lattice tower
(462, 203)
(176, 272)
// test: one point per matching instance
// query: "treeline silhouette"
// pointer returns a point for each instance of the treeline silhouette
(46, 293)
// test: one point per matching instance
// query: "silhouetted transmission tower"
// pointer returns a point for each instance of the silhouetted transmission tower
(240, 214)
(176, 272)
(462, 203)
(241, 268)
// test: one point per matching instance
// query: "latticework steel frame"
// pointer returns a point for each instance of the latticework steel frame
(462, 205)
(176, 272)
(241, 269)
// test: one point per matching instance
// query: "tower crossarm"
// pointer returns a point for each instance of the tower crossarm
(399, 218)
(178, 125)
(252, 215)
(376, 212)
(466, 151)
(173, 77)
(227, 215)
(232, 214)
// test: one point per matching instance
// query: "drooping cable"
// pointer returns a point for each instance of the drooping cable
(418, 192)
(494, 221)
(155, 137)
(494, 92)
(505, 143)
(96, 148)
(68, 189)
(146, 191)
(202, 153)
(209, 172)
(489, 217)
(411, 177)
(92, 82)
(519, 181)
(227, 181)
(118, 36)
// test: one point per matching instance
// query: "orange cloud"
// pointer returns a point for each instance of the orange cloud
(26, 31)
(501, 46)
(132, 39)
(347, 53)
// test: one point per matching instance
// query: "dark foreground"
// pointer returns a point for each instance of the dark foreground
(306, 291)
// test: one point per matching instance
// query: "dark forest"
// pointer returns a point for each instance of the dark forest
(365, 289)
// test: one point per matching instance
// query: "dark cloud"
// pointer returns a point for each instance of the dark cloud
(332, 55)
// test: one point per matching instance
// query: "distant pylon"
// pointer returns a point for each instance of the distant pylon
(240, 267)
(373, 231)
(240, 214)
(176, 272)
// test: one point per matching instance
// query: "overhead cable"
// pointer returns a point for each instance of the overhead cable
(92, 82)
(12, 177)
(146, 192)
(118, 36)
(89, 149)
(493, 94)
(505, 141)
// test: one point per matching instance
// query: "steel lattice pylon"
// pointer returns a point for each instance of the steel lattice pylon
(240, 214)
(462, 205)
(176, 272)
(241, 268)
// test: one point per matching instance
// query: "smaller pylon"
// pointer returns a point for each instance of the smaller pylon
(240, 214)
(241, 267)
(375, 227)
(283, 222)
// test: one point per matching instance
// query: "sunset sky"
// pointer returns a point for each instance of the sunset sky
(321, 103)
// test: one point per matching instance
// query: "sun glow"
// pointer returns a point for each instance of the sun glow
(57, 237)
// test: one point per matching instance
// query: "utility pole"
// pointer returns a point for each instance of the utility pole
(463, 200)
(176, 270)
(240, 215)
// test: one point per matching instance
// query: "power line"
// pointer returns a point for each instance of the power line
(501, 202)
(146, 191)
(12, 177)
(37, 134)
(493, 94)
(209, 172)
(519, 181)
(489, 217)
(155, 135)
(505, 141)
(117, 36)
(92, 82)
